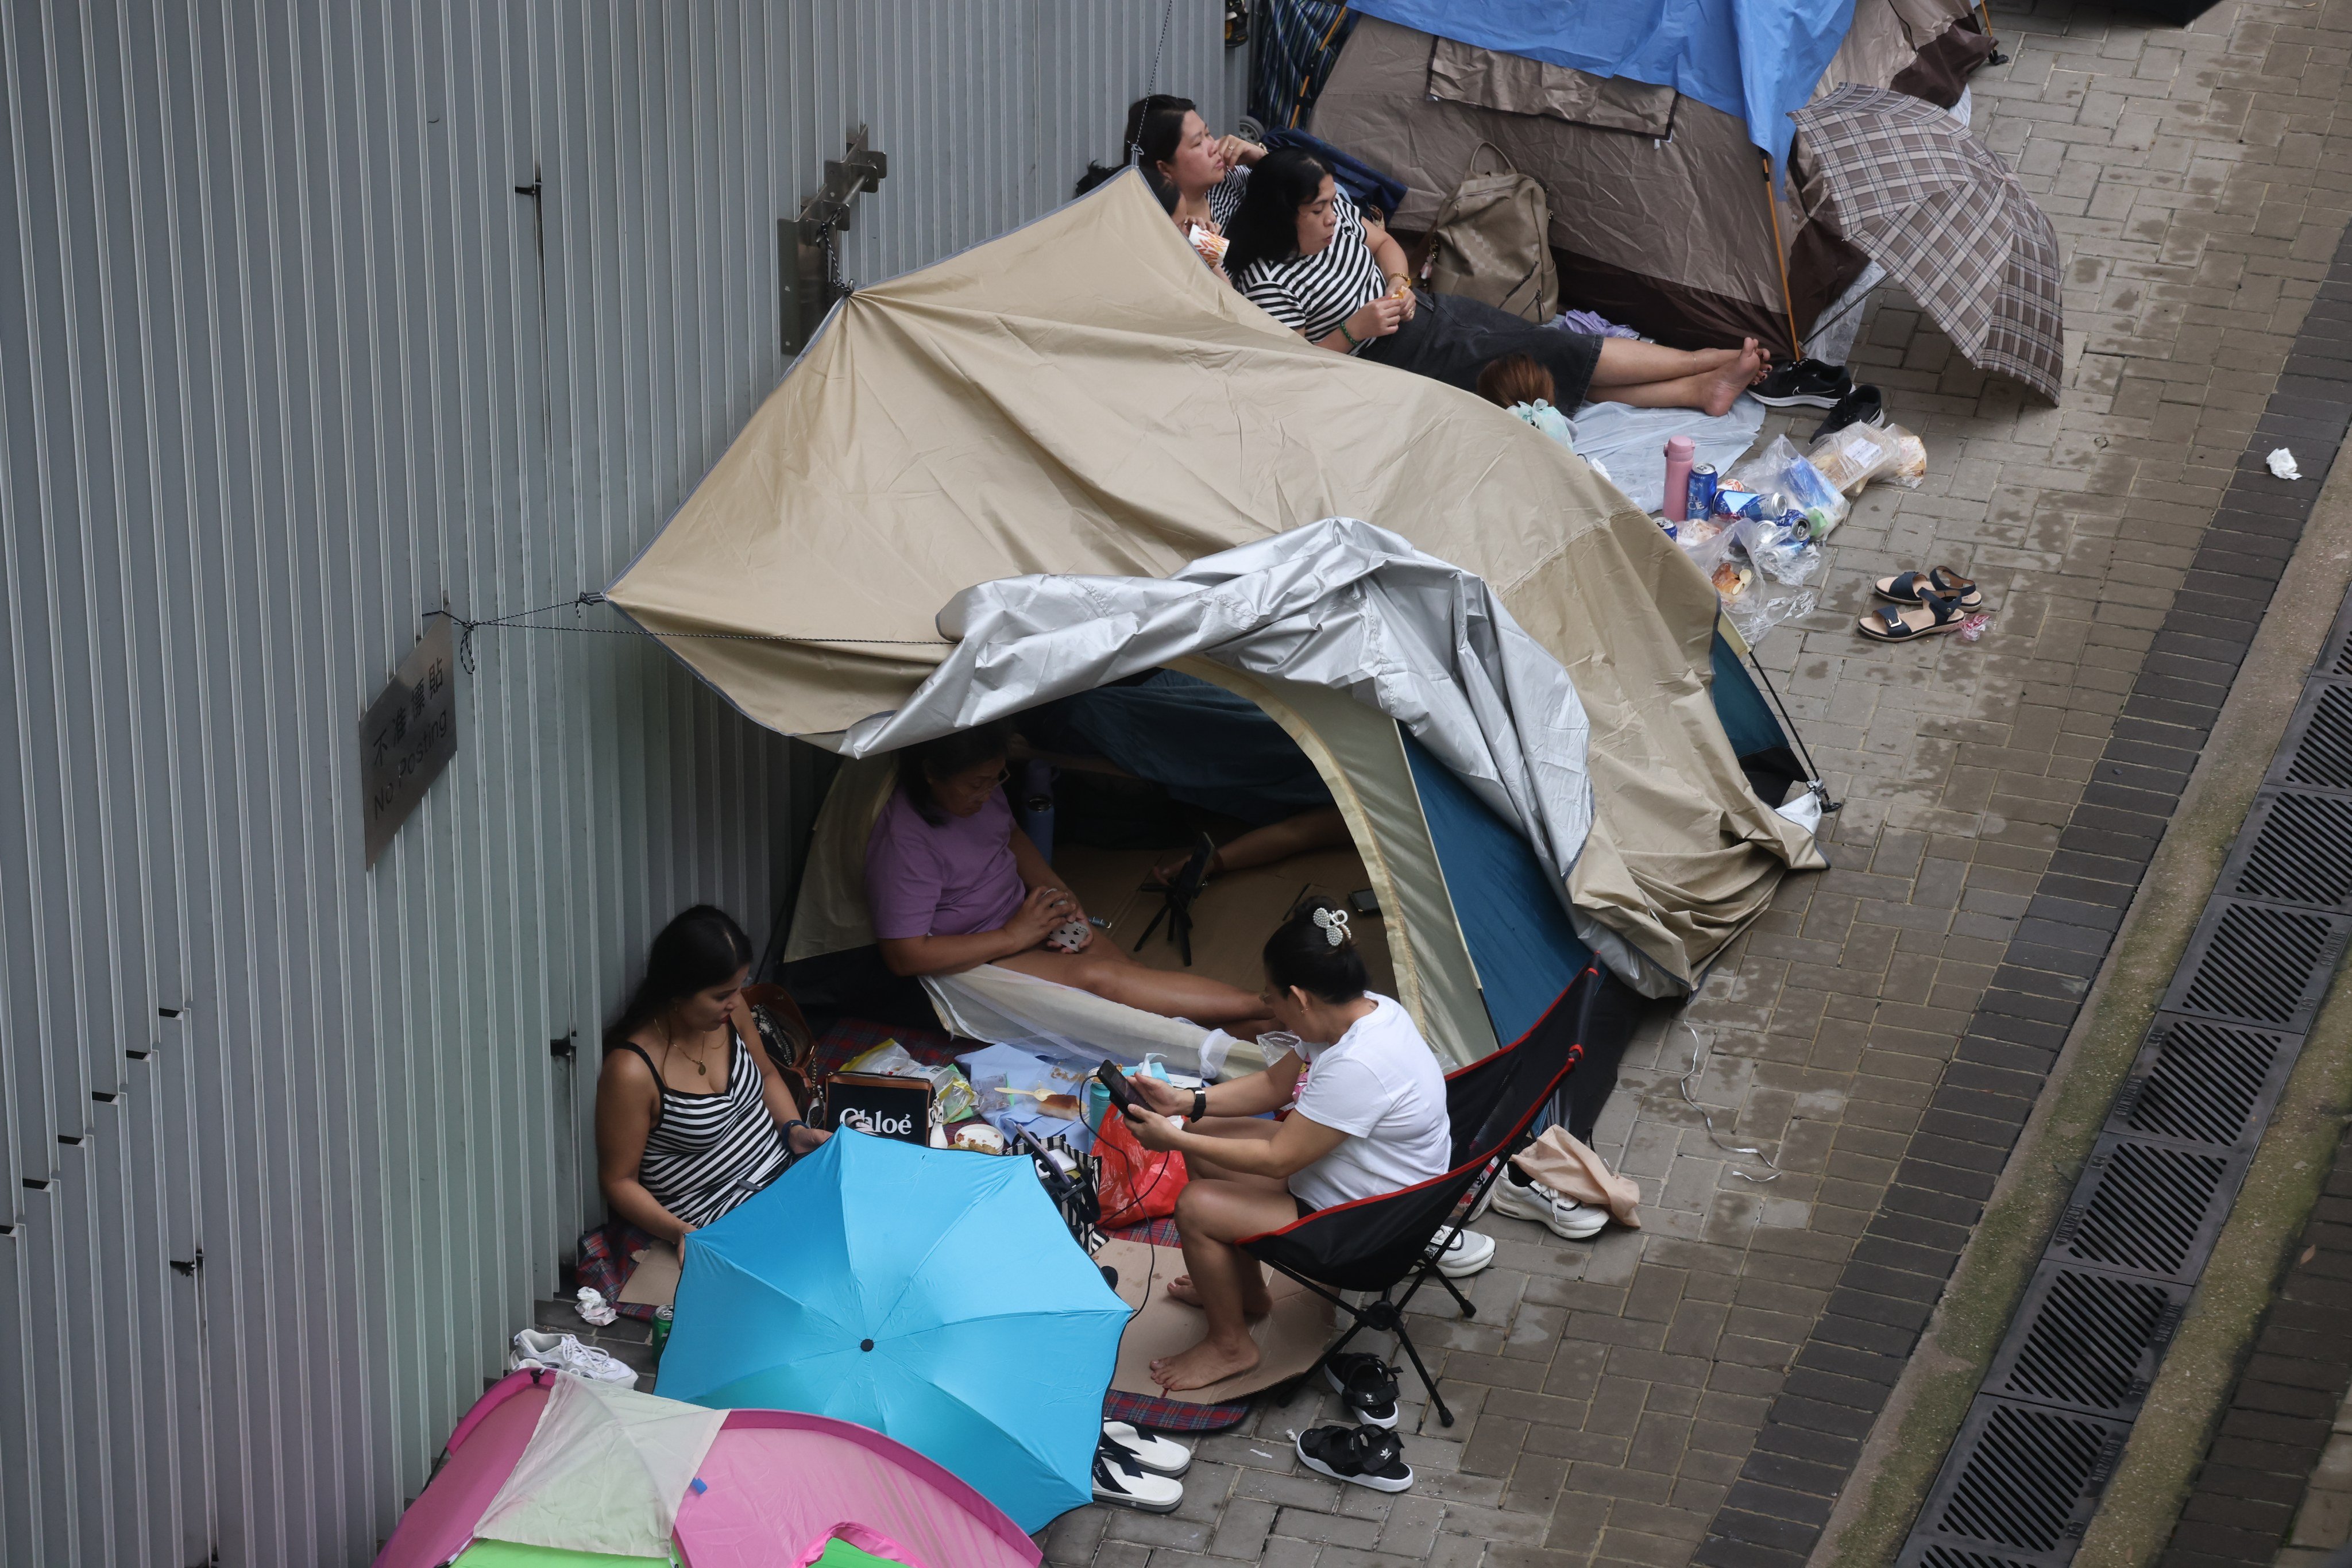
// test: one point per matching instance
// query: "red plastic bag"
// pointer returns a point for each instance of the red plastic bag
(1135, 1183)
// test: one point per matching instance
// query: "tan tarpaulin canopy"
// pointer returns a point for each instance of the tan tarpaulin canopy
(1082, 396)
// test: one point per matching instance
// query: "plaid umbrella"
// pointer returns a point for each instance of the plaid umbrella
(1919, 194)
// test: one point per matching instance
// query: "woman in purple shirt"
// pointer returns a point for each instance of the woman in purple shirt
(953, 884)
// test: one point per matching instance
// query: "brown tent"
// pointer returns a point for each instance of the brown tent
(1660, 212)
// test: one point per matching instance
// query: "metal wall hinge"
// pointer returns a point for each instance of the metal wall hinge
(808, 250)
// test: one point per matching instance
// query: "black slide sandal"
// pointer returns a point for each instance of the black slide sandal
(1914, 588)
(1361, 1456)
(1366, 1385)
(1900, 623)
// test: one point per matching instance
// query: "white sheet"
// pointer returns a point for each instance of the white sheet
(1007, 1007)
(1631, 442)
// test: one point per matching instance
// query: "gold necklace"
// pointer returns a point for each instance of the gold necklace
(700, 1071)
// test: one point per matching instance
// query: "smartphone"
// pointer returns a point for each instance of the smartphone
(1364, 904)
(1122, 1093)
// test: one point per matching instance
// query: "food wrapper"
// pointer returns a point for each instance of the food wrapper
(1851, 458)
(1212, 246)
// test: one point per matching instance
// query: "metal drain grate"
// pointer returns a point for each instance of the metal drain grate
(1953, 1557)
(2050, 1419)
(2146, 1209)
(2207, 1082)
(2321, 755)
(2258, 964)
(2094, 1340)
(2301, 853)
(2027, 1476)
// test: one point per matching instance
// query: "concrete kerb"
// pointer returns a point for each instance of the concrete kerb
(1908, 1443)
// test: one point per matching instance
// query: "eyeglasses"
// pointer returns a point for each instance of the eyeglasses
(1001, 776)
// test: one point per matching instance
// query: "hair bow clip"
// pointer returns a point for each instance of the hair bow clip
(1334, 924)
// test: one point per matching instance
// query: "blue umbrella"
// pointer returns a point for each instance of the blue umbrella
(931, 1294)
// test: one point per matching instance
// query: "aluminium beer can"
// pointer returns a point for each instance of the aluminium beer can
(1703, 486)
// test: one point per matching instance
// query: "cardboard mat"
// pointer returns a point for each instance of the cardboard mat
(1290, 1338)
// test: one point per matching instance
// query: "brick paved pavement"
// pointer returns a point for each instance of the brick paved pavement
(1610, 1392)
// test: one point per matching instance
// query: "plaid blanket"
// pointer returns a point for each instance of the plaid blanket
(852, 1037)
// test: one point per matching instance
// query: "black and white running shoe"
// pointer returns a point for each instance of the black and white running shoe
(1364, 1456)
(1808, 381)
(1366, 1385)
(1121, 1484)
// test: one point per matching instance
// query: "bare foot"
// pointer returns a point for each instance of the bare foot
(1724, 386)
(1203, 1365)
(1254, 1304)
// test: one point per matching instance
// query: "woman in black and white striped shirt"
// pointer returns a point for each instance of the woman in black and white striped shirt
(691, 1119)
(1302, 252)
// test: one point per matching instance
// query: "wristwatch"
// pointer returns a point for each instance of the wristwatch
(1200, 1103)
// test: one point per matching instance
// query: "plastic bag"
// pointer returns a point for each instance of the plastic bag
(1851, 458)
(1910, 464)
(889, 1057)
(1752, 601)
(1710, 548)
(1790, 482)
(952, 1099)
(1777, 552)
(1758, 611)
(1135, 1183)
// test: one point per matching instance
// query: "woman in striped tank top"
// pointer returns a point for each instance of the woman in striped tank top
(690, 1120)
(1302, 252)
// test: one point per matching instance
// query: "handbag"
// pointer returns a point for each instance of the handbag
(1491, 240)
(1136, 1183)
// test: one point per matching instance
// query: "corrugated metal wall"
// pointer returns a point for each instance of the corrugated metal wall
(284, 361)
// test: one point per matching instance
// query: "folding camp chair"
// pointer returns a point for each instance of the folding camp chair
(1375, 1245)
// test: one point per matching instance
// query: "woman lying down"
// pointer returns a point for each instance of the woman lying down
(953, 883)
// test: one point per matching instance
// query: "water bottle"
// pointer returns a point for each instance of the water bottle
(1680, 451)
(1033, 807)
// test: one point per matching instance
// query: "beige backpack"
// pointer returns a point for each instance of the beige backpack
(1491, 240)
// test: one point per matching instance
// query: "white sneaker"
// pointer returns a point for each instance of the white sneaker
(1465, 1254)
(1564, 1217)
(563, 1352)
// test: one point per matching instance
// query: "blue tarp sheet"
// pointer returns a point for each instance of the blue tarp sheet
(1519, 937)
(1747, 720)
(1757, 60)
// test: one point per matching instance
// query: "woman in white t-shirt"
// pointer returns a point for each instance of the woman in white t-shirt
(1367, 1117)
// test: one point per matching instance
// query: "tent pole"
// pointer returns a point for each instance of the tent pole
(1985, 16)
(1780, 254)
(1337, 17)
